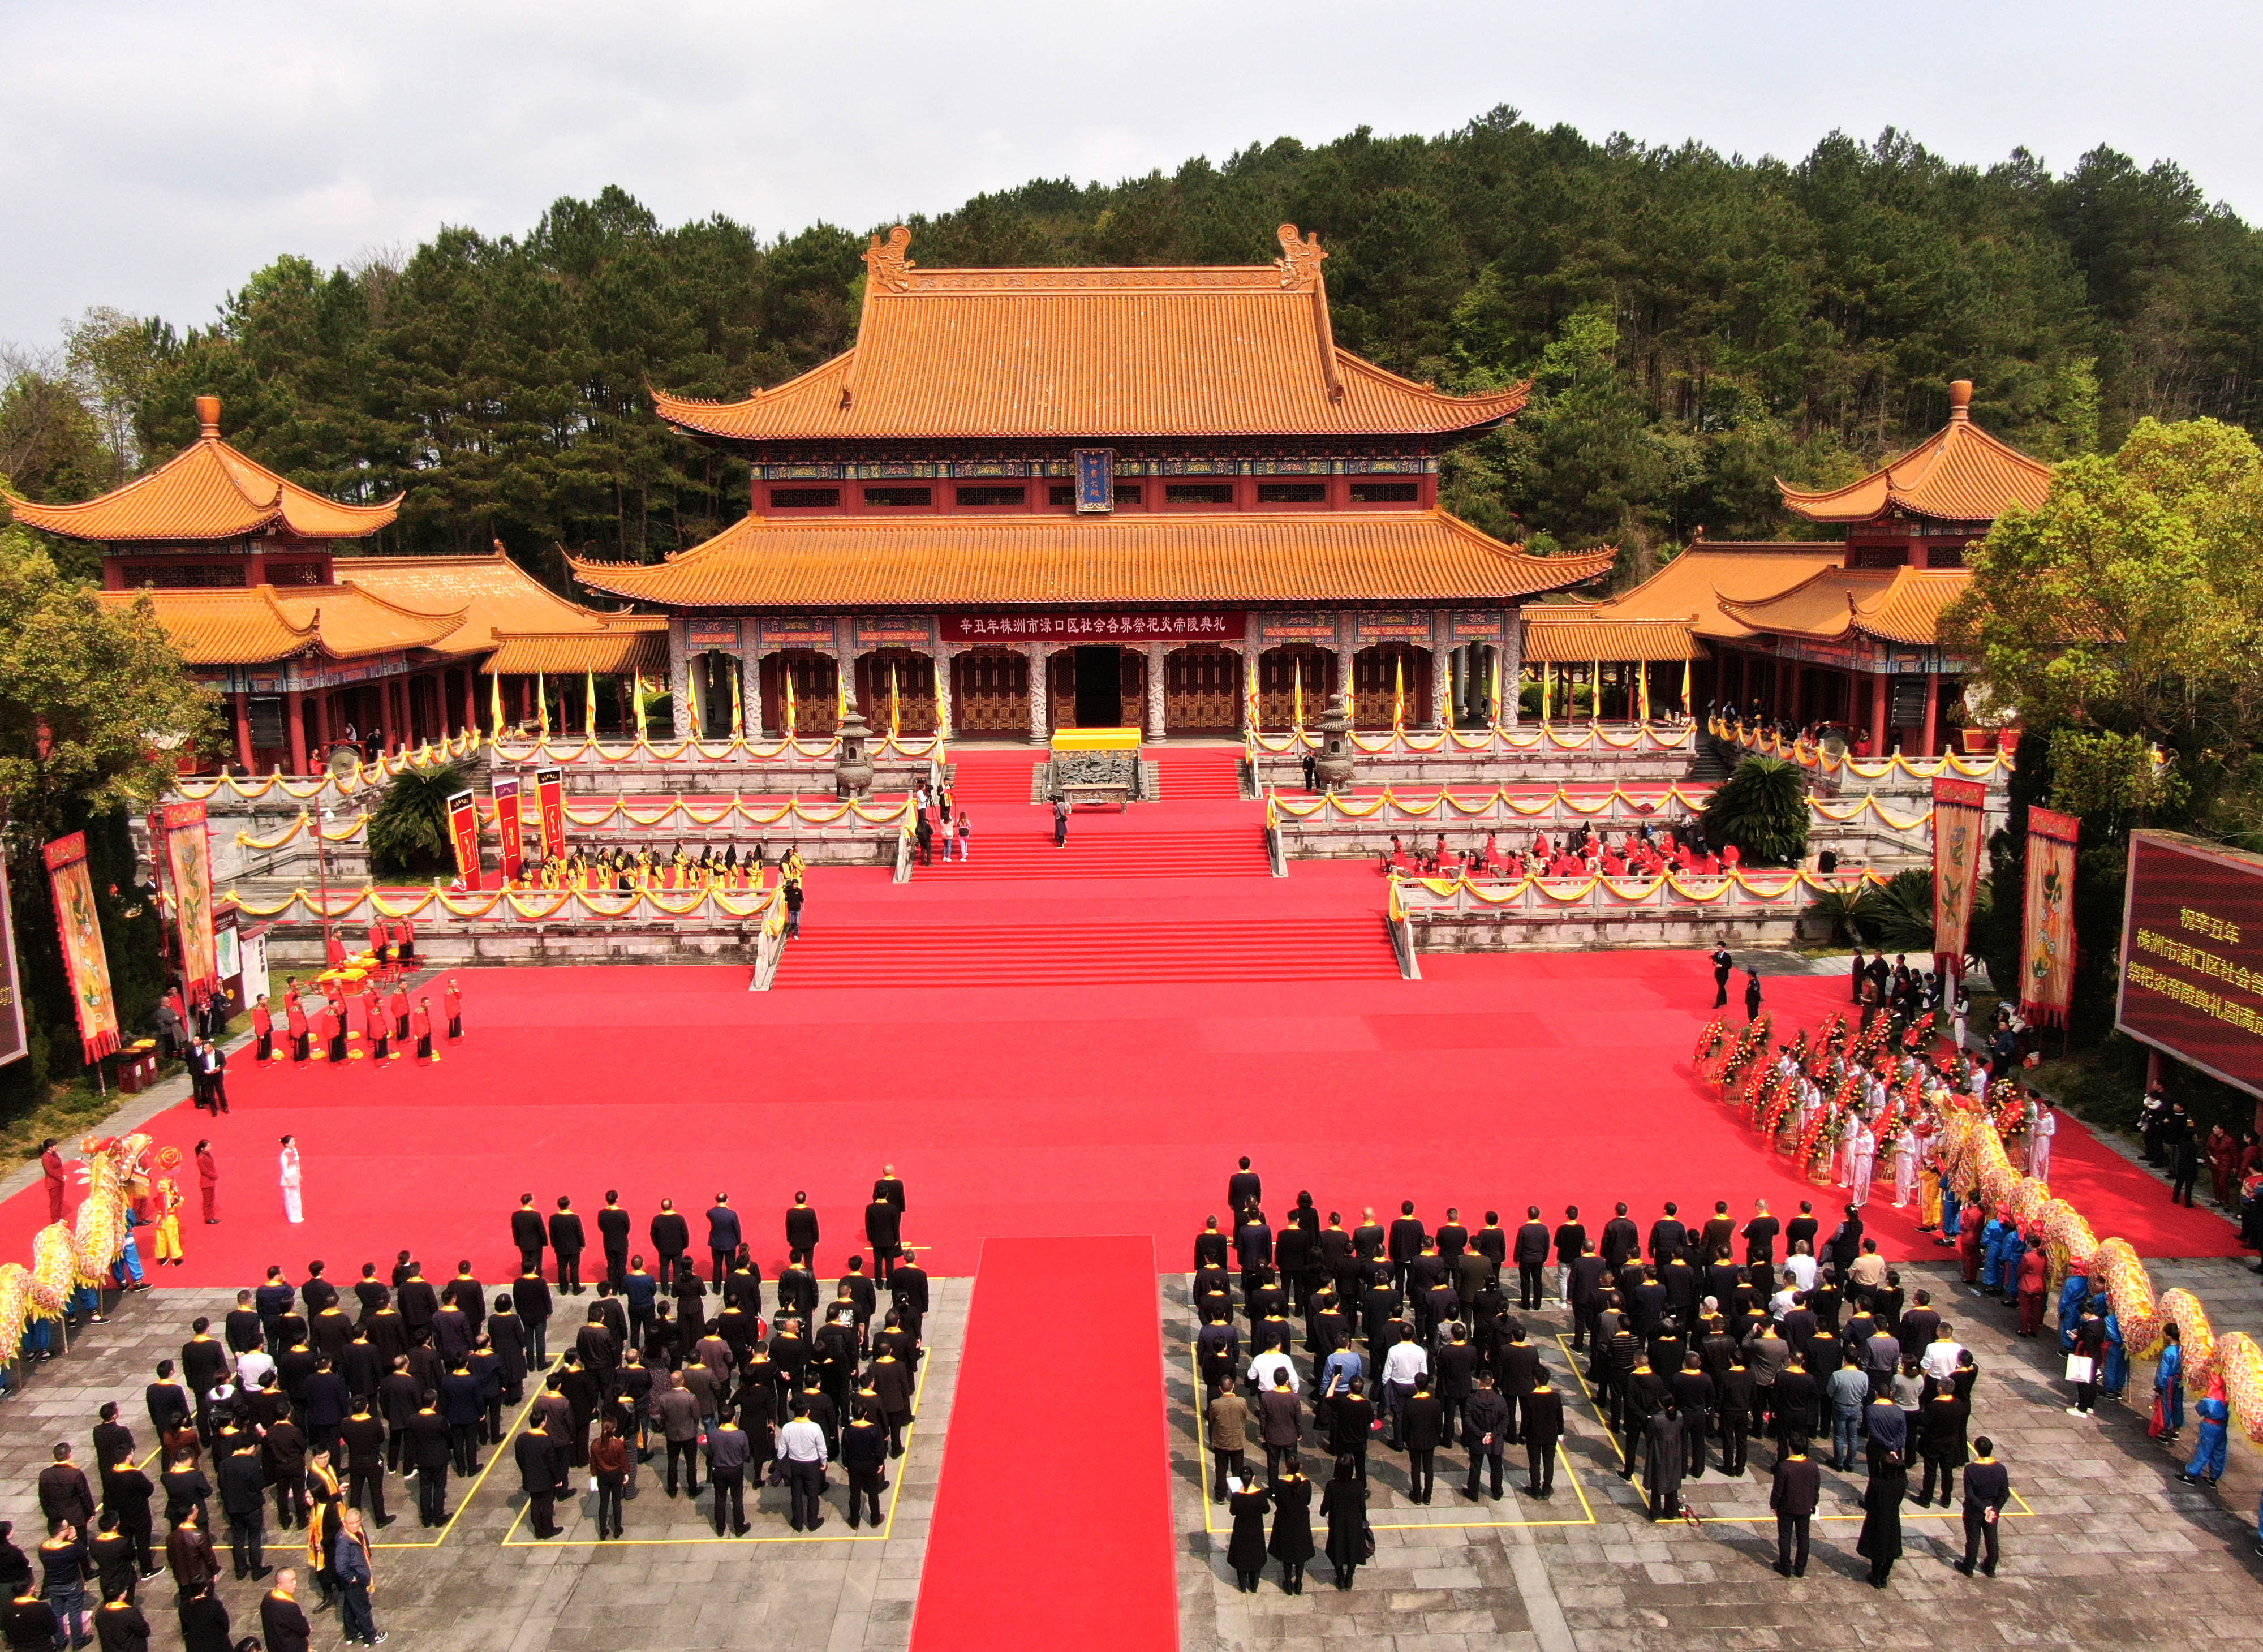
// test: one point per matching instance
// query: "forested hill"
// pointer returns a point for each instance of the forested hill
(1698, 324)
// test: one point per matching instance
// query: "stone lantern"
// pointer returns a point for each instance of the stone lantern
(1332, 762)
(852, 765)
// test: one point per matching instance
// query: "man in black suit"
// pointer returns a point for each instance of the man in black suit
(889, 1187)
(723, 1238)
(1987, 1488)
(1406, 1243)
(568, 1241)
(671, 1237)
(1722, 963)
(1798, 1486)
(1243, 1188)
(537, 1477)
(613, 1237)
(208, 1069)
(1760, 1235)
(884, 1231)
(1544, 1426)
(801, 1230)
(527, 1232)
(1669, 1237)
(1621, 1239)
(1531, 1250)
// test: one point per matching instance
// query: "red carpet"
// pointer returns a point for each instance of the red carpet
(1036, 1544)
(1495, 1082)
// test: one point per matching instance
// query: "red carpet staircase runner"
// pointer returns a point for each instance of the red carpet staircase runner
(1193, 867)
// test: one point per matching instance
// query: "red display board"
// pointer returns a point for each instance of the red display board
(2192, 955)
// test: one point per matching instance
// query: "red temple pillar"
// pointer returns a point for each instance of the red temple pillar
(242, 708)
(294, 713)
(385, 720)
(1931, 714)
(1878, 740)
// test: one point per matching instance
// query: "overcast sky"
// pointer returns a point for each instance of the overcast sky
(151, 156)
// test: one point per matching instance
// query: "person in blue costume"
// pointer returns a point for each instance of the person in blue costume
(2072, 1297)
(2116, 1378)
(1991, 1255)
(2169, 1385)
(2208, 1456)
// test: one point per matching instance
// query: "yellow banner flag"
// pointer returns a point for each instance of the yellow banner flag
(590, 704)
(1297, 695)
(895, 704)
(1397, 693)
(541, 706)
(786, 676)
(738, 712)
(638, 692)
(494, 704)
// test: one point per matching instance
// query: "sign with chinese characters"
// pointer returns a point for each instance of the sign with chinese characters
(1094, 627)
(711, 634)
(2192, 955)
(1095, 479)
(1403, 625)
(794, 633)
(1476, 625)
(1297, 628)
(902, 630)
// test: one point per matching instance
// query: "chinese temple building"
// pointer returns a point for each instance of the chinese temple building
(1821, 632)
(1033, 499)
(257, 584)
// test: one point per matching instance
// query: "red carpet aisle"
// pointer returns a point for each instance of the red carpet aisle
(1101, 1108)
(1032, 1546)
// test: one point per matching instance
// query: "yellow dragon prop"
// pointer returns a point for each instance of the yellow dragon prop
(67, 1255)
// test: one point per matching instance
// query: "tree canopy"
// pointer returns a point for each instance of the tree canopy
(1700, 324)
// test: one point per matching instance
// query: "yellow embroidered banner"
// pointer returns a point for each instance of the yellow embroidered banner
(1958, 807)
(85, 960)
(185, 854)
(2047, 955)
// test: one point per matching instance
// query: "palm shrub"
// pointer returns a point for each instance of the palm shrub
(1851, 912)
(408, 829)
(1762, 809)
(1902, 919)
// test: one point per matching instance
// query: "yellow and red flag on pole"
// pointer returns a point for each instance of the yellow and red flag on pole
(1397, 693)
(590, 704)
(738, 710)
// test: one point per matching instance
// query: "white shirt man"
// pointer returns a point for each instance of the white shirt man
(801, 1441)
(1269, 1365)
(1406, 1363)
(1802, 1269)
(1938, 1360)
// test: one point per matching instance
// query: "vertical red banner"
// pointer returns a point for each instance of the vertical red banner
(184, 853)
(13, 1045)
(1958, 809)
(508, 826)
(2047, 950)
(85, 960)
(550, 811)
(464, 834)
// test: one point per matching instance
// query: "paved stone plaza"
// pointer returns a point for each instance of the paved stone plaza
(2104, 1549)
(484, 1585)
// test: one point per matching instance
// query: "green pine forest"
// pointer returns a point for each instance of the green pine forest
(1697, 324)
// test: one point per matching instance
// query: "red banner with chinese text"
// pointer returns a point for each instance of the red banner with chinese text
(185, 852)
(85, 961)
(508, 827)
(464, 835)
(13, 1045)
(2047, 950)
(1958, 807)
(550, 811)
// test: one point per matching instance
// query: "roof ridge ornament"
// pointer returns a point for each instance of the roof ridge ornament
(208, 416)
(887, 264)
(1299, 262)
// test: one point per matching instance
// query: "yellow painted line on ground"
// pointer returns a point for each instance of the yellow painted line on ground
(846, 1534)
(2023, 1512)
(1203, 1466)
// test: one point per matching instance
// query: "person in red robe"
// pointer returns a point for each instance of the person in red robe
(398, 1005)
(51, 1165)
(377, 940)
(404, 941)
(420, 1022)
(299, 1031)
(453, 1002)
(334, 950)
(263, 1024)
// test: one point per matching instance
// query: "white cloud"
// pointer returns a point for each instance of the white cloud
(151, 156)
